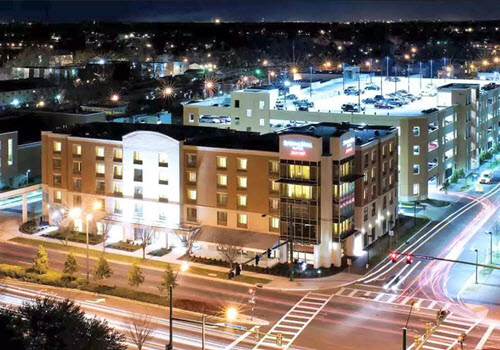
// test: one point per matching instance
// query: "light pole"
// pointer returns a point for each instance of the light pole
(27, 176)
(170, 344)
(290, 240)
(387, 68)
(477, 262)
(412, 304)
(420, 70)
(491, 246)
(203, 320)
(89, 217)
(432, 62)
(310, 81)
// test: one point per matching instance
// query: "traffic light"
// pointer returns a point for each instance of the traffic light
(409, 258)
(238, 269)
(257, 259)
(269, 252)
(393, 257)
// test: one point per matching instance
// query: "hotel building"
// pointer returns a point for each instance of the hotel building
(329, 187)
(448, 128)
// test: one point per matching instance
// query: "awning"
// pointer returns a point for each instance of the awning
(249, 239)
(296, 182)
(136, 222)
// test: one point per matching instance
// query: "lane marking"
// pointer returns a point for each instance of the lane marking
(485, 337)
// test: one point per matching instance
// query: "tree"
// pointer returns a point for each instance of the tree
(52, 324)
(60, 217)
(102, 269)
(135, 276)
(106, 228)
(146, 235)
(140, 329)
(70, 265)
(446, 186)
(189, 239)
(230, 248)
(41, 261)
(168, 278)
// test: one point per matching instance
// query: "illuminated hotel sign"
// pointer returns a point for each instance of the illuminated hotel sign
(298, 148)
(348, 146)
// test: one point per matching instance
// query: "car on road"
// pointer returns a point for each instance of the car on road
(372, 87)
(351, 107)
(486, 177)
(393, 79)
(383, 105)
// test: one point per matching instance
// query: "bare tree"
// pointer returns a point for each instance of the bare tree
(140, 330)
(189, 239)
(146, 235)
(230, 248)
(106, 228)
(62, 220)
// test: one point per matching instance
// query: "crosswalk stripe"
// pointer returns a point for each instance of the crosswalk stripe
(379, 296)
(405, 300)
(431, 305)
(443, 337)
(352, 293)
(431, 347)
(437, 342)
(391, 299)
(485, 337)
(453, 327)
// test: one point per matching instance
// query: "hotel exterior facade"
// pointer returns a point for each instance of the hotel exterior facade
(462, 125)
(305, 184)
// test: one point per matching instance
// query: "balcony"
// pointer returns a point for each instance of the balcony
(118, 194)
(117, 160)
(163, 164)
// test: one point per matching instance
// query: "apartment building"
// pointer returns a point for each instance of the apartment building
(448, 128)
(253, 189)
(18, 91)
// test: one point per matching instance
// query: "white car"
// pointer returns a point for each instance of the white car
(486, 177)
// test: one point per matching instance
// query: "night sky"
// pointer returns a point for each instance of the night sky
(249, 10)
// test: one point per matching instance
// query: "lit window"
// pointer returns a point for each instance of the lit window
(163, 196)
(262, 122)
(416, 150)
(242, 182)
(117, 154)
(137, 157)
(274, 224)
(99, 169)
(416, 189)
(191, 194)
(416, 131)
(77, 150)
(242, 163)
(299, 191)
(99, 152)
(221, 180)
(221, 162)
(118, 207)
(77, 167)
(117, 171)
(242, 200)
(192, 177)
(57, 146)
(162, 159)
(57, 196)
(416, 169)
(163, 178)
(274, 204)
(261, 104)
(299, 171)
(275, 186)
(117, 188)
(242, 220)
(249, 112)
(191, 160)
(274, 167)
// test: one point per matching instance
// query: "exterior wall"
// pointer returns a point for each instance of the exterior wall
(8, 164)
(29, 159)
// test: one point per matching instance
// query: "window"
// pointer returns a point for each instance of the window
(118, 207)
(416, 150)
(262, 122)
(162, 214)
(57, 196)
(299, 171)
(77, 167)
(221, 180)
(249, 112)
(236, 103)
(191, 160)
(222, 218)
(364, 194)
(99, 170)
(77, 201)
(10, 152)
(242, 163)
(117, 189)
(242, 221)
(162, 160)
(77, 150)
(274, 204)
(117, 172)
(117, 154)
(221, 162)
(138, 210)
(77, 184)
(191, 195)
(384, 153)
(163, 178)
(374, 156)
(365, 177)
(274, 167)
(56, 147)
(137, 157)
(99, 152)
(242, 182)
(138, 175)
(274, 224)
(416, 131)
(57, 180)
(384, 202)
(192, 177)
(416, 189)
(416, 169)
(366, 160)
(100, 187)
(299, 191)
(374, 174)
(138, 192)
(374, 191)
(390, 148)
(374, 209)
(163, 196)
(221, 199)
(242, 200)
(56, 163)
(365, 214)
(192, 214)
(261, 104)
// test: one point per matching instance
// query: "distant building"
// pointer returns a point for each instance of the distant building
(56, 73)
(21, 91)
(108, 109)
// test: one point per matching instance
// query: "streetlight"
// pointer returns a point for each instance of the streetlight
(412, 304)
(115, 98)
(477, 262)
(491, 246)
(27, 176)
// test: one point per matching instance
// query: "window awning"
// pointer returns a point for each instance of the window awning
(249, 239)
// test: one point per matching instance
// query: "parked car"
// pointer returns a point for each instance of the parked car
(291, 97)
(280, 105)
(383, 105)
(303, 103)
(369, 101)
(351, 107)
(372, 87)
(378, 98)
(303, 108)
(353, 91)
(429, 110)
(393, 79)
(394, 102)
(486, 177)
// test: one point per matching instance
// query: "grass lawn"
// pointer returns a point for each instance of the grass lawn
(78, 237)
(128, 247)
(130, 259)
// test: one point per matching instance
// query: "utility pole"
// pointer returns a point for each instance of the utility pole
(310, 81)
(170, 345)
(359, 91)
(406, 325)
